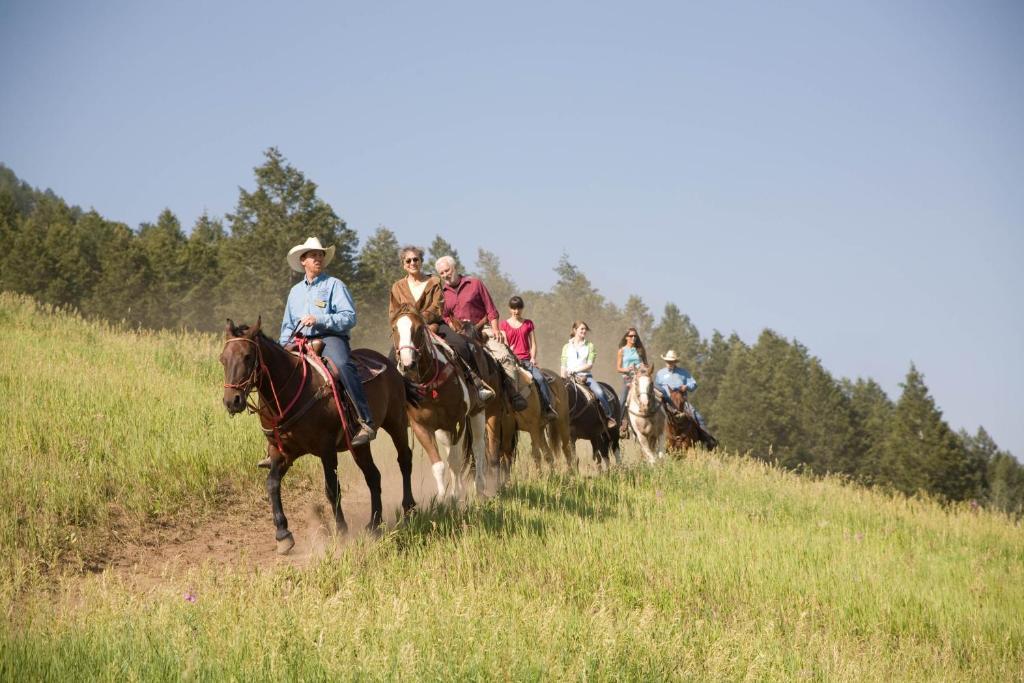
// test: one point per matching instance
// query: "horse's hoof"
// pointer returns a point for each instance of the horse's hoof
(285, 545)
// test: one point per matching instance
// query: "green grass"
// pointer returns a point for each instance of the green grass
(709, 568)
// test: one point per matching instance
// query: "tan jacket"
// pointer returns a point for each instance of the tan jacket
(430, 304)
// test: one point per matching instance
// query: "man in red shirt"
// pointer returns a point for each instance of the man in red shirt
(523, 342)
(467, 305)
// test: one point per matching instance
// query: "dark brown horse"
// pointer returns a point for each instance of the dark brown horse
(587, 421)
(298, 414)
(682, 431)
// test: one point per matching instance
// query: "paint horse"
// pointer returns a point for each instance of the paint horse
(445, 416)
(299, 413)
(646, 414)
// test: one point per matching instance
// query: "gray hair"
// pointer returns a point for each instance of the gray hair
(445, 261)
(410, 248)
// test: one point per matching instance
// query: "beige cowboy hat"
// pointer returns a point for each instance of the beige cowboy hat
(296, 252)
(670, 356)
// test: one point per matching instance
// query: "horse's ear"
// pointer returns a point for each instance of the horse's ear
(229, 330)
(256, 328)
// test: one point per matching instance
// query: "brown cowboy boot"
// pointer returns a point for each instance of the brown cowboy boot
(367, 433)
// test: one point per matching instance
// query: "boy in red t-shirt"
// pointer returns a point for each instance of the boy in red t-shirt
(523, 342)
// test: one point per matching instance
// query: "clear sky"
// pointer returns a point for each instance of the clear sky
(848, 174)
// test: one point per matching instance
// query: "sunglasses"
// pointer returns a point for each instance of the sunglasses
(416, 259)
(630, 336)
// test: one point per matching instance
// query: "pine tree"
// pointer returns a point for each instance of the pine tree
(442, 247)
(872, 413)
(636, 314)
(379, 268)
(828, 438)
(202, 275)
(499, 284)
(921, 452)
(283, 211)
(711, 372)
(759, 403)
(676, 331)
(122, 291)
(163, 244)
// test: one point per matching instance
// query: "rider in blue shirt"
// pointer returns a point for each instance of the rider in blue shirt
(671, 377)
(320, 307)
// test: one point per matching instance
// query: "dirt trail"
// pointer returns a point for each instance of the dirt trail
(241, 534)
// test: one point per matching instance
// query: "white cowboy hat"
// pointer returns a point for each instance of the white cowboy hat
(296, 252)
(670, 356)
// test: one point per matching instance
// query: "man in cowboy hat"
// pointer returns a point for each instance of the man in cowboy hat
(671, 377)
(320, 307)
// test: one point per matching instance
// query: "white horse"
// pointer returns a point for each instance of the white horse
(646, 414)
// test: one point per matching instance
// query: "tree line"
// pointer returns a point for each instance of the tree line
(771, 399)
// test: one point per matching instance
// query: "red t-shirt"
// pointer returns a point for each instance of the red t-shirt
(518, 337)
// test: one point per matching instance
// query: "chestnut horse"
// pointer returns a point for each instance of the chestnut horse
(446, 414)
(682, 429)
(646, 415)
(587, 421)
(298, 415)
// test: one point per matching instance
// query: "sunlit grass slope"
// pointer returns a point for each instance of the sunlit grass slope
(97, 423)
(714, 567)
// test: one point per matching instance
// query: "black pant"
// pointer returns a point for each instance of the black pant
(459, 344)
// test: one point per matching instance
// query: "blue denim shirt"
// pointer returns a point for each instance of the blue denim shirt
(667, 380)
(325, 297)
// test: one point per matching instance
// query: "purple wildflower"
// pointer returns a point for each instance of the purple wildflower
(190, 597)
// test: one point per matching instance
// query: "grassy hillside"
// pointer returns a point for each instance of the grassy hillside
(709, 567)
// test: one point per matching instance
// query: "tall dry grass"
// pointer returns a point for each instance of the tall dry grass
(712, 567)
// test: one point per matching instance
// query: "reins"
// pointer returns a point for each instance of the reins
(278, 420)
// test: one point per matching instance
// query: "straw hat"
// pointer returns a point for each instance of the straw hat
(670, 356)
(296, 252)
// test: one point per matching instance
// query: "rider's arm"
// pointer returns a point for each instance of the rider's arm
(288, 322)
(533, 346)
(432, 303)
(591, 356)
(618, 362)
(340, 314)
(563, 369)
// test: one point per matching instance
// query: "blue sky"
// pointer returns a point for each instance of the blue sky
(848, 174)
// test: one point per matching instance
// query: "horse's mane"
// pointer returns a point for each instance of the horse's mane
(409, 310)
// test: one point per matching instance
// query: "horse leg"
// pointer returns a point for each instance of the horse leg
(333, 490)
(456, 460)
(364, 459)
(278, 467)
(400, 437)
(482, 456)
(429, 442)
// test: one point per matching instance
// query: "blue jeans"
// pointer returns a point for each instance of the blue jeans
(340, 353)
(599, 392)
(538, 378)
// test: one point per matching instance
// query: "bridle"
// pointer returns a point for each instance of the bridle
(653, 402)
(439, 376)
(279, 418)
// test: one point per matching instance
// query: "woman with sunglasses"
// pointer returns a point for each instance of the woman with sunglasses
(426, 294)
(631, 355)
(417, 289)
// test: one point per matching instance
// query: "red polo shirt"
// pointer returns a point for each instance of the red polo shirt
(469, 300)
